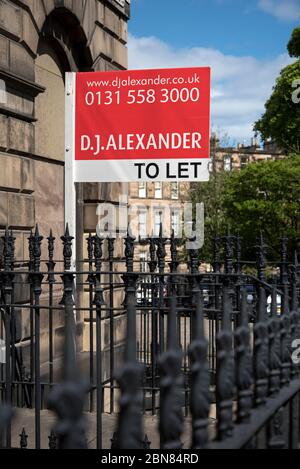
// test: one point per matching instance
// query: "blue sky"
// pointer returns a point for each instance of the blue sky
(244, 41)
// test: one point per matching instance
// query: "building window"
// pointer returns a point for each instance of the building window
(227, 163)
(143, 224)
(158, 190)
(244, 162)
(142, 190)
(176, 224)
(158, 219)
(175, 191)
(143, 262)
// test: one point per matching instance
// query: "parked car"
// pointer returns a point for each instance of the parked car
(250, 293)
(278, 302)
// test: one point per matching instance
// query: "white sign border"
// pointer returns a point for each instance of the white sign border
(122, 170)
(70, 189)
(96, 171)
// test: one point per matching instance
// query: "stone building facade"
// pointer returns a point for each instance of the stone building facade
(152, 205)
(40, 40)
(235, 159)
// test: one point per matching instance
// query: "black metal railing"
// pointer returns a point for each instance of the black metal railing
(166, 339)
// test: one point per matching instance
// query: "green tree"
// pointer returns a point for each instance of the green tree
(212, 195)
(294, 44)
(265, 197)
(281, 120)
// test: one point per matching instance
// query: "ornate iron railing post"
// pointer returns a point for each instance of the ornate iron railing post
(111, 250)
(23, 439)
(161, 257)
(146, 443)
(286, 354)
(238, 255)
(51, 282)
(238, 271)
(30, 270)
(217, 270)
(295, 284)
(130, 426)
(200, 378)
(297, 273)
(261, 333)
(243, 358)
(91, 284)
(129, 252)
(261, 259)
(275, 430)
(229, 253)
(7, 285)
(285, 318)
(12, 240)
(284, 274)
(261, 352)
(37, 278)
(215, 316)
(225, 354)
(274, 348)
(276, 439)
(67, 399)
(154, 322)
(99, 303)
(52, 440)
(152, 263)
(174, 254)
(171, 385)
(229, 244)
(194, 261)
(295, 335)
(295, 310)
(225, 367)
(193, 266)
(216, 254)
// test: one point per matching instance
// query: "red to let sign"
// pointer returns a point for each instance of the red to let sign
(141, 125)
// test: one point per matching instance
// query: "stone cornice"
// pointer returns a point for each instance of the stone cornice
(117, 6)
(17, 114)
(29, 87)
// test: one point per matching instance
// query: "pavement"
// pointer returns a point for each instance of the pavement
(25, 418)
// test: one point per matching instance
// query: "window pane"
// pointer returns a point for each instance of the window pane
(158, 190)
(227, 163)
(176, 225)
(158, 222)
(174, 191)
(142, 190)
(143, 224)
(143, 262)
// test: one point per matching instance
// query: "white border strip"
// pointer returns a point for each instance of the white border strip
(70, 192)
(126, 171)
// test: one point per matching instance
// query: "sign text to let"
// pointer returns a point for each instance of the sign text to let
(169, 171)
(142, 125)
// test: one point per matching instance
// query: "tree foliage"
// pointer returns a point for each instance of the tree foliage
(294, 44)
(266, 197)
(263, 197)
(281, 120)
(212, 195)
